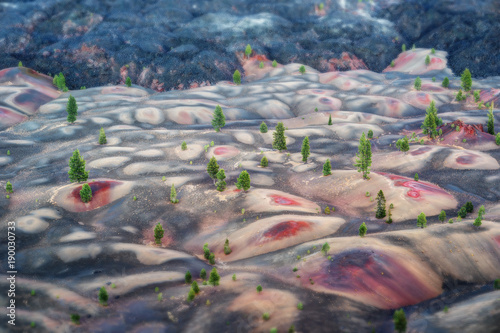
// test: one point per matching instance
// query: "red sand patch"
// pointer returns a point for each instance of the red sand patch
(284, 230)
(424, 98)
(497, 239)
(283, 201)
(101, 191)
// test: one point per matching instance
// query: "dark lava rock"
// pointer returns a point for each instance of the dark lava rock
(166, 44)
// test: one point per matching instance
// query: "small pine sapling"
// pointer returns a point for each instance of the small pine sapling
(263, 127)
(184, 145)
(325, 248)
(158, 233)
(128, 82)
(362, 229)
(237, 77)
(173, 195)
(302, 69)
(227, 249)
(327, 168)
(187, 277)
(102, 137)
(274, 64)
(264, 162)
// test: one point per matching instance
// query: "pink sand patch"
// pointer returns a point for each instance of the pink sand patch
(224, 152)
(9, 117)
(467, 159)
(420, 151)
(416, 188)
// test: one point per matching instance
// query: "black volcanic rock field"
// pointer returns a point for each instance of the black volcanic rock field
(181, 44)
(309, 245)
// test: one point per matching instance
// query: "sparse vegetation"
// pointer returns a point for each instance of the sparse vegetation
(381, 212)
(237, 77)
(330, 120)
(421, 220)
(128, 82)
(327, 168)
(442, 216)
(191, 295)
(75, 318)
(416, 177)
(300, 306)
(243, 181)
(77, 171)
(158, 233)
(263, 127)
(427, 61)
(433, 51)
(261, 65)
(264, 162)
(173, 195)
(325, 248)
(103, 296)
(86, 193)
(305, 151)
(399, 319)
(266, 316)
(274, 64)
(403, 144)
(184, 145)
(362, 229)
(279, 138)
(491, 120)
(102, 137)
(327, 210)
(370, 134)
(60, 82)
(219, 120)
(203, 272)
(8, 187)
(71, 109)
(403, 47)
(227, 249)
(466, 79)
(214, 277)
(248, 50)
(393, 63)
(417, 83)
(364, 156)
(259, 288)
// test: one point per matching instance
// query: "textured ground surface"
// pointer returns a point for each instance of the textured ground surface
(165, 44)
(67, 250)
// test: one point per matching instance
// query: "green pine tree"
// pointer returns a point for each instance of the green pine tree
(263, 127)
(261, 65)
(399, 321)
(214, 277)
(264, 162)
(477, 95)
(381, 212)
(469, 207)
(446, 82)
(433, 51)
(203, 274)
(60, 82)
(302, 69)
(327, 168)
(195, 287)
(213, 168)
(86, 193)
(305, 151)
(325, 248)
(187, 277)
(243, 181)
(219, 120)
(427, 61)
(227, 249)
(71, 109)
(403, 47)
(275, 64)
(20, 64)
(497, 139)
(191, 295)
(248, 50)
(364, 156)
(330, 120)
(363, 229)
(103, 296)
(158, 233)
(403, 144)
(466, 80)
(77, 171)
(416, 177)
(128, 82)
(418, 83)
(431, 121)
(237, 77)
(421, 221)
(102, 137)
(8, 187)
(184, 145)
(442, 216)
(279, 141)
(221, 183)
(491, 120)
(370, 134)
(173, 195)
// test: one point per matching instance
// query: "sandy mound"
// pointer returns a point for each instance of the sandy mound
(263, 200)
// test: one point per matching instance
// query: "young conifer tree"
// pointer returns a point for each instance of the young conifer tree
(305, 151)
